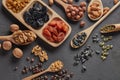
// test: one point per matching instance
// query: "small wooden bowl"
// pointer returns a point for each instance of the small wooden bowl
(52, 14)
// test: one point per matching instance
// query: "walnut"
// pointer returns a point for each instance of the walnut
(37, 50)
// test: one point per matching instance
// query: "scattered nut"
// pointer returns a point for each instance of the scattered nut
(83, 4)
(37, 50)
(14, 27)
(51, 2)
(82, 23)
(116, 1)
(7, 45)
(17, 53)
(32, 60)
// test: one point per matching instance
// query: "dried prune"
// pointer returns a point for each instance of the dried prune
(36, 16)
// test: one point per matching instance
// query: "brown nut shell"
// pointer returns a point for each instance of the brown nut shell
(14, 27)
(7, 45)
(17, 53)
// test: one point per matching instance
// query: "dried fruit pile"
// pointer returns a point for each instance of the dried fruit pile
(36, 16)
(55, 31)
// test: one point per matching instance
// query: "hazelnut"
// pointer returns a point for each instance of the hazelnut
(14, 27)
(84, 8)
(17, 53)
(69, 15)
(81, 14)
(73, 13)
(82, 23)
(83, 4)
(78, 17)
(7, 45)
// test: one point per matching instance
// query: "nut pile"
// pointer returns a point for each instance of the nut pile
(75, 12)
(56, 66)
(16, 5)
(24, 37)
(36, 16)
(103, 45)
(37, 50)
(17, 53)
(95, 10)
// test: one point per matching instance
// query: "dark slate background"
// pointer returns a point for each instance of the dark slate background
(96, 68)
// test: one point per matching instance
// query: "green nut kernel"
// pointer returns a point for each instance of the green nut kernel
(101, 44)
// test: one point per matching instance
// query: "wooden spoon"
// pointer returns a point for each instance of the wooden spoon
(89, 30)
(18, 34)
(101, 7)
(65, 6)
(110, 28)
(54, 67)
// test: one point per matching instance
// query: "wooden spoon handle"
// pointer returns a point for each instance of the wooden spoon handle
(64, 5)
(5, 37)
(111, 10)
(35, 75)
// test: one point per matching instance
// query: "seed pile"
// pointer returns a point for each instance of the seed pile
(107, 28)
(36, 16)
(37, 51)
(83, 56)
(16, 5)
(105, 47)
(79, 39)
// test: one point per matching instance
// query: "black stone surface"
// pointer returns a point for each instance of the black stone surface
(96, 68)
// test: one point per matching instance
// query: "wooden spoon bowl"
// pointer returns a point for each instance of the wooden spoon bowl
(17, 36)
(95, 10)
(67, 6)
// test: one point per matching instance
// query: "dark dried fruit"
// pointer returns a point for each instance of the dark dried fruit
(36, 16)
